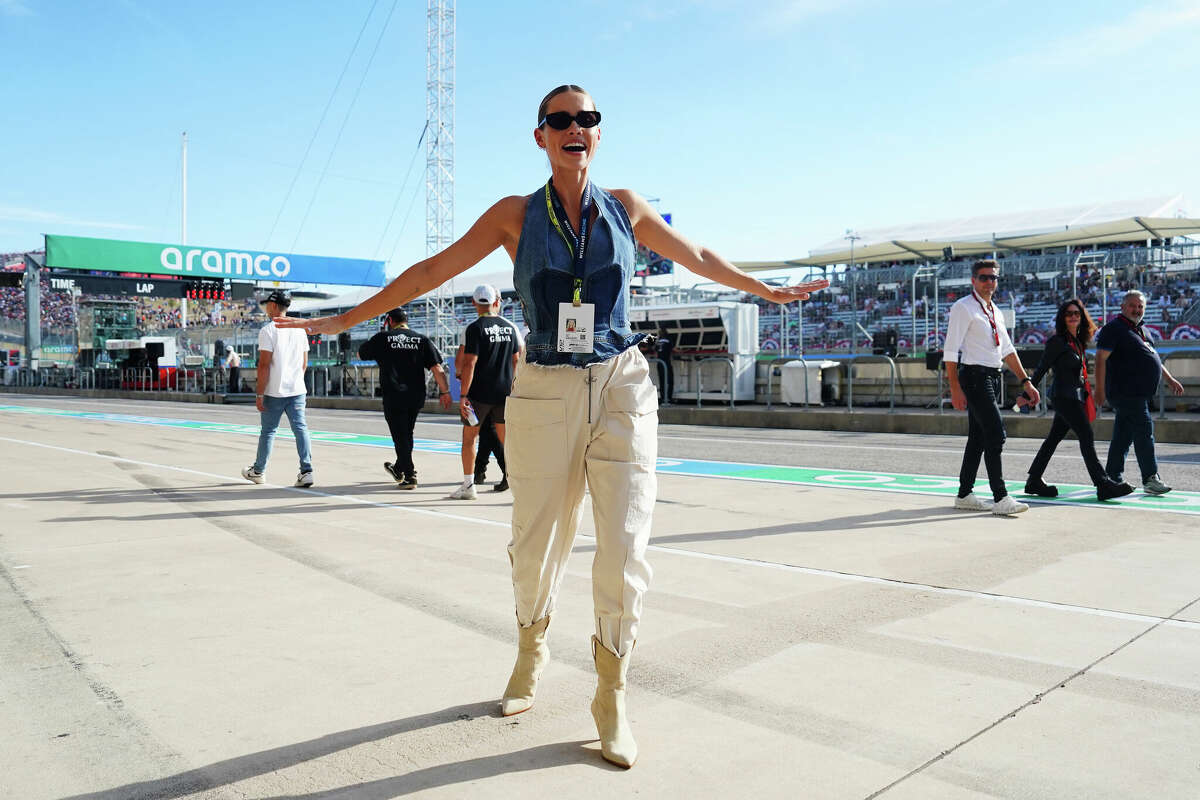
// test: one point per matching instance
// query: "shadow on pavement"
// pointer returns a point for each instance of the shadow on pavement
(233, 770)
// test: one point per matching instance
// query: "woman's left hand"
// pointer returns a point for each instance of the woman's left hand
(799, 291)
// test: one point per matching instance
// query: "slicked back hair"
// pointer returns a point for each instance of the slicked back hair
(555, 92)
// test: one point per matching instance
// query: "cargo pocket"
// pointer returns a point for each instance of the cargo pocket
(535, 437)
(631, 423)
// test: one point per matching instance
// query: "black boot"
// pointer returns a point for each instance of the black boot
(1107, 489)
(1036, 486)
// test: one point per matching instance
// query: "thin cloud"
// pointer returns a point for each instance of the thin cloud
(33, 215)
(14, 8)
(1133, 32)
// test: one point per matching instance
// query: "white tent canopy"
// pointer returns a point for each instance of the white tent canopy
(1099, 223)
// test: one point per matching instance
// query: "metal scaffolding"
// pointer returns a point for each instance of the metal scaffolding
(439, 163)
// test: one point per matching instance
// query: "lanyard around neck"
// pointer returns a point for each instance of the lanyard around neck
(1077, 348)
(576, 244)
(1135, 328)
(989, 315)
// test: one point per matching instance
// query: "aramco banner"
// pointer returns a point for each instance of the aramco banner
(208, 263)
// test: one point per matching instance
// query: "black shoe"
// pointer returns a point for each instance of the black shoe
(409, 482)
(502, 486)
(1107, 489)
(1038, 488)
(480, 477)
(395, 474)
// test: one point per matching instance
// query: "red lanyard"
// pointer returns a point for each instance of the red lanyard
(1135, 328)
(991, 317)
(1072, 343)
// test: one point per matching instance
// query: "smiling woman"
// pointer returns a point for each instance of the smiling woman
(582, 412)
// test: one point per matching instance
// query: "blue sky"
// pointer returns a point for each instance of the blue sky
(765, 129)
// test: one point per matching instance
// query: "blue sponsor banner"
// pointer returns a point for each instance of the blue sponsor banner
(208, 263)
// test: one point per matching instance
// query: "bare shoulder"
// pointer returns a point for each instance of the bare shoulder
(632, 201)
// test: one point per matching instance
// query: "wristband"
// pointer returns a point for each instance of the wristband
(1026, 380)
(446, 392)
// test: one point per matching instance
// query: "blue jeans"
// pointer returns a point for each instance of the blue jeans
(1131, 423)
(276, 407)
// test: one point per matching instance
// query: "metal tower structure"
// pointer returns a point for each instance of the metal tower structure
(439, 164)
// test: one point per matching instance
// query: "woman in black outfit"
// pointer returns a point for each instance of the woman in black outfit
(1066, 354)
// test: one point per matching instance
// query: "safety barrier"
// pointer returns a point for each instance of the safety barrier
(1162, 389)
(852, 361)
(662, 378)
(700, 378)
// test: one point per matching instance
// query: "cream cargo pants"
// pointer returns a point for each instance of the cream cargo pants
(567, 428)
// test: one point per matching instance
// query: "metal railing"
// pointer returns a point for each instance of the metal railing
(1162, 389)
(310, 381)
(662, 377)
(700, 378)
(873, 359)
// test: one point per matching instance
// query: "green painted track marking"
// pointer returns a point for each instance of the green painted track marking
(1177, 502)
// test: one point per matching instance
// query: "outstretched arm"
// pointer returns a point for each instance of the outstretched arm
(499, 226)
(653, 231)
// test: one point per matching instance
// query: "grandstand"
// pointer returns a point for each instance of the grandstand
(904, 279)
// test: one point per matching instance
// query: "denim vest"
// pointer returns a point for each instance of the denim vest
(543, 279)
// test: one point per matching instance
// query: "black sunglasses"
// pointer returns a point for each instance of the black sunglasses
(561, 120)
(987, 278)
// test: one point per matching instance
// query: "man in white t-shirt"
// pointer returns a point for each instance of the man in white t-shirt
(282, 360)
(233, 365)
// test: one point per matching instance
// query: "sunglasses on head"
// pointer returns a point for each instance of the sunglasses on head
(561, 120)
(987, 278)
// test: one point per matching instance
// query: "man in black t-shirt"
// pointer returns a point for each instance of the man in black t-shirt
(1128, 370)
(403, 356)
(491, 348)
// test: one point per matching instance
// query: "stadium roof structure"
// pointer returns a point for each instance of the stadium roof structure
(1098, 223)
(464, 284)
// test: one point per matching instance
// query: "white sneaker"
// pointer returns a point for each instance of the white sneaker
(972, 502)
(1007, 506)
(1154, 485)
(304, 479)
(252, 475)
(463, 493)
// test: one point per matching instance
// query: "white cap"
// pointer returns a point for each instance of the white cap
(228, 348)
(486, 295)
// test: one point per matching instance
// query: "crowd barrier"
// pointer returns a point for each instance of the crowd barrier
(700, 378)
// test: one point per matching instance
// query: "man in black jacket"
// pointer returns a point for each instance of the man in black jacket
(403, 356)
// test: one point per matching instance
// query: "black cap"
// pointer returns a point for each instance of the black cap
(398, 315)
(281, 296)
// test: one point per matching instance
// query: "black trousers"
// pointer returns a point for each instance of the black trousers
(985, 432)
(235, 380)
(401, 419)
(1069, 415)
(489, 443)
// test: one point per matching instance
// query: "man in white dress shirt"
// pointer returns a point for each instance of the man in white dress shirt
(977, 348)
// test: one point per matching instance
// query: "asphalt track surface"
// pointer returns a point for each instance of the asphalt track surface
(172, 631)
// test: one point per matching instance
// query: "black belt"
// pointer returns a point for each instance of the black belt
(979, 368)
